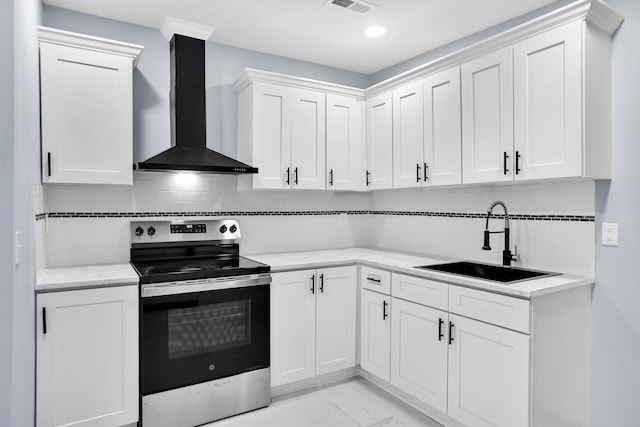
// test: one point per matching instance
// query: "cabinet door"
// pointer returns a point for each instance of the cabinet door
(379, 172)
(271, 140)
(87, 358)
(375, 333)
(335, 319)
(548, 103)
(345, 142)
(308, 139)
(293, 315)
(442, 128)
(488, 375)
(86, 115)
(408, 135)
(487, 118)
(419, 352)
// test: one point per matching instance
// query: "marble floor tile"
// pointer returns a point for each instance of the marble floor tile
(353, 403)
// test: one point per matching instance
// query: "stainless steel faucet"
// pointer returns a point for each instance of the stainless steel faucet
(507, 256)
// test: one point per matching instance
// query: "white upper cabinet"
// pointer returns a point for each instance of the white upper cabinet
(442, 128)
(86, 100)
(408, 135)
(307, 140)
(379, 170)
(281, 131)
(487, 118)
(345, 143)
(548, 104)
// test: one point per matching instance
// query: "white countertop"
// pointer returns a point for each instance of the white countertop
(405, 263)
(90, 276)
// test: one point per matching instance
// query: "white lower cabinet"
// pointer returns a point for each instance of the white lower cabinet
(419, 352)
(313, 323)
(488, 374)
(375, 333)
(87, 357)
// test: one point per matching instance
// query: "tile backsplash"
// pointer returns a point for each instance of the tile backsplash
(554, 227)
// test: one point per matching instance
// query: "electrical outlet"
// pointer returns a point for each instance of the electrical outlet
(610, 234)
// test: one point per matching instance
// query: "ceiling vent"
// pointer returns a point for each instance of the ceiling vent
(358, 6)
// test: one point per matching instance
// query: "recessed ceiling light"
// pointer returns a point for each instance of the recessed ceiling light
(374, 31)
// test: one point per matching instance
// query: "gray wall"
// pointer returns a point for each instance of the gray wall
(27, 16)
(6, 210)
(615, 354)
(151, 80)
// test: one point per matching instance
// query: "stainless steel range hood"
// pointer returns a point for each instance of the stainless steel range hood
(189, 150)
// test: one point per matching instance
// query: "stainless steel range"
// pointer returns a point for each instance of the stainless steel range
(204, 323)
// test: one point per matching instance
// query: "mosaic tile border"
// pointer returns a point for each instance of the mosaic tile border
(517, 217)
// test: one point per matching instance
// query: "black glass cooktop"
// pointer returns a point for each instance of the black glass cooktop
(171, 270)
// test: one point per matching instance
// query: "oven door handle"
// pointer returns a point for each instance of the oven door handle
(186, 287)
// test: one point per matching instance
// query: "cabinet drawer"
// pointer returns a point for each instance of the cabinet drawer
(375, 279)
(512, 313)
(419, 290)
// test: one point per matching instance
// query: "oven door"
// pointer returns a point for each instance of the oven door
(197, 332)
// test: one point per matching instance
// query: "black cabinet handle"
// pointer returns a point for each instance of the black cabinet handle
(367, 178)
(384, 309)
(451, 325)
(331, 177)
(288, 176)
(371, 279)
(322, 283)
(426, 169)
(44, 320)
(517, 162)
(440, 333)
(417, 172)
(49, 163)
(313, 283)
(504, 163)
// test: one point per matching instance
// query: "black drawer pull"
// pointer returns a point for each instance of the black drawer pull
(504, 163)
(44, 320)
(288, 176)
(322, 283)
(417, 172)
(451, 325)
(518, 162)
(371, 279)
(313, 284)
(440, 333)
(49, 163)
(367, 179)
(295, 174)
(331, 177)
(384, 309)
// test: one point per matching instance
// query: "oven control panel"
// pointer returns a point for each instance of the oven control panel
(220, 230)
(188, 228)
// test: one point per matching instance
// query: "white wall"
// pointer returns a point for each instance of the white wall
(26, 16)
(616, 318)
(6, 210)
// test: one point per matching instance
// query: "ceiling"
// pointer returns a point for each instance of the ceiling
(312, 30)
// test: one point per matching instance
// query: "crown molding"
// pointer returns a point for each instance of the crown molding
(98, 44)
(594, 12)
(250, 75)
(172, 26)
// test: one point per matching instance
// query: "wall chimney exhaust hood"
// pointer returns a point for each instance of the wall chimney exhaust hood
(189, 150)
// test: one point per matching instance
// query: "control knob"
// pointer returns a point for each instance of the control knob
(151, 231)
(139, 231)
(233, 228)
(223, 229)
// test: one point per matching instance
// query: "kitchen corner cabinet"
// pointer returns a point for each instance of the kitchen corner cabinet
(87, 357)
(313, 323)
(345, 143)
(379, 142)
(86, 101)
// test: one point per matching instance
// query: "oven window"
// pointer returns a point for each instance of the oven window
(208, 328)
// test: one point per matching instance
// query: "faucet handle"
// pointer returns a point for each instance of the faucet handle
(515, 256)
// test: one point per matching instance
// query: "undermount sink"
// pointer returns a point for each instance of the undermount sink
(491, 272)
